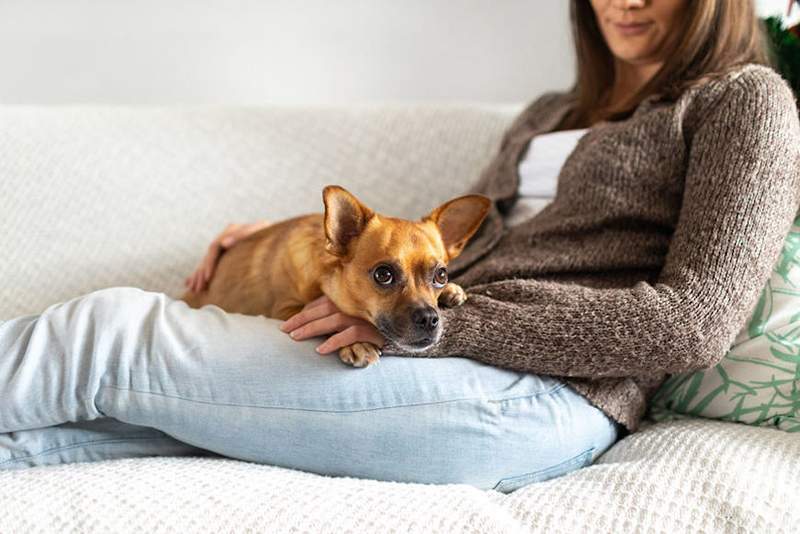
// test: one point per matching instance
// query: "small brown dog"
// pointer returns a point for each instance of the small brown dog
(391, 272)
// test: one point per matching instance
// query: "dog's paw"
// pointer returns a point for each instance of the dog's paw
(452, 295)
(359, 354)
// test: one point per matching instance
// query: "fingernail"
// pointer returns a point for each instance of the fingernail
(283, 326)
(293, 334)
(318, 350)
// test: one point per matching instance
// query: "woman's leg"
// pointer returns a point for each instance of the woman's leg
(238, 386)
(88, 441)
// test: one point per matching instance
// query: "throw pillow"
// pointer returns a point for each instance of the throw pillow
(758, 381)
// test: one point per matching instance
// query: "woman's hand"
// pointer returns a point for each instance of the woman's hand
(321, 317)
(234, 233)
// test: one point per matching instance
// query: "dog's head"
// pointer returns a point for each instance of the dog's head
(391, 271)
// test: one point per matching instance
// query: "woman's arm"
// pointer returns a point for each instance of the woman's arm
(741, 194)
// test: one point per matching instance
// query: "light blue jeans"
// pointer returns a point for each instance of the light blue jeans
(123, 373)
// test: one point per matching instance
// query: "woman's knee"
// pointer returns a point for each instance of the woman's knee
(103, 307)
(110, 301)
(117, 317)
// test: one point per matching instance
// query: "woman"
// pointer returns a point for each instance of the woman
(679, 183)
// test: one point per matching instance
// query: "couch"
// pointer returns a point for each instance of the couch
(92, 197)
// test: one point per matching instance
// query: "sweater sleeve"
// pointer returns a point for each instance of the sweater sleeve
(740, 197)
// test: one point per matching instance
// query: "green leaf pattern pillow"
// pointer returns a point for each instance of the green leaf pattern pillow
(758, 381)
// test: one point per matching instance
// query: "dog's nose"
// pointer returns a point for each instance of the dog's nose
(425, 319)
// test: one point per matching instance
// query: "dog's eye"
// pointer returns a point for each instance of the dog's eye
(440, 276)
(383, 275)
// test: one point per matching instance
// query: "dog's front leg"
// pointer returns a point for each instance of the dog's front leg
(359, 354)
(452, 295)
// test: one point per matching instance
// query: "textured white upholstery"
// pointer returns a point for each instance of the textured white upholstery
(92, 197)
(688, 476)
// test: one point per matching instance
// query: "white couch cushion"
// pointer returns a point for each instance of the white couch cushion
(686, 476)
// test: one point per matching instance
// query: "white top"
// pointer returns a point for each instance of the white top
(539, 170)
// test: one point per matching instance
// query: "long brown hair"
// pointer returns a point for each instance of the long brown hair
(716, 35)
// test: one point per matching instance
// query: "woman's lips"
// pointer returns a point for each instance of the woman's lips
(632, 28)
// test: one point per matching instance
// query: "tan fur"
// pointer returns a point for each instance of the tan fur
(274, 272)
(279, 269)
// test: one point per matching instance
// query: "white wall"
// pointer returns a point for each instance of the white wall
(778, 7)
(281, 51)
(197, 52)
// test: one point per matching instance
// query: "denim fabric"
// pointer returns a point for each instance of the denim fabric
(124, 373)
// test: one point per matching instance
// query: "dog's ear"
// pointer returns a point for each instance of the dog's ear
(345, 218)
(458, 220)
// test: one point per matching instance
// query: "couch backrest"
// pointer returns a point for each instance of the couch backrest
(98, 197)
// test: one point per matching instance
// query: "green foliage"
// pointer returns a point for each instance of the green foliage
(786, 50)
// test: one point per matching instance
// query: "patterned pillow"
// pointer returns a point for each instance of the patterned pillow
(758, 381)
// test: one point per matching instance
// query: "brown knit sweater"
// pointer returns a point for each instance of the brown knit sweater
(661, 236)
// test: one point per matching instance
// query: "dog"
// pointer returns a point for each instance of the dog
(391, 272)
